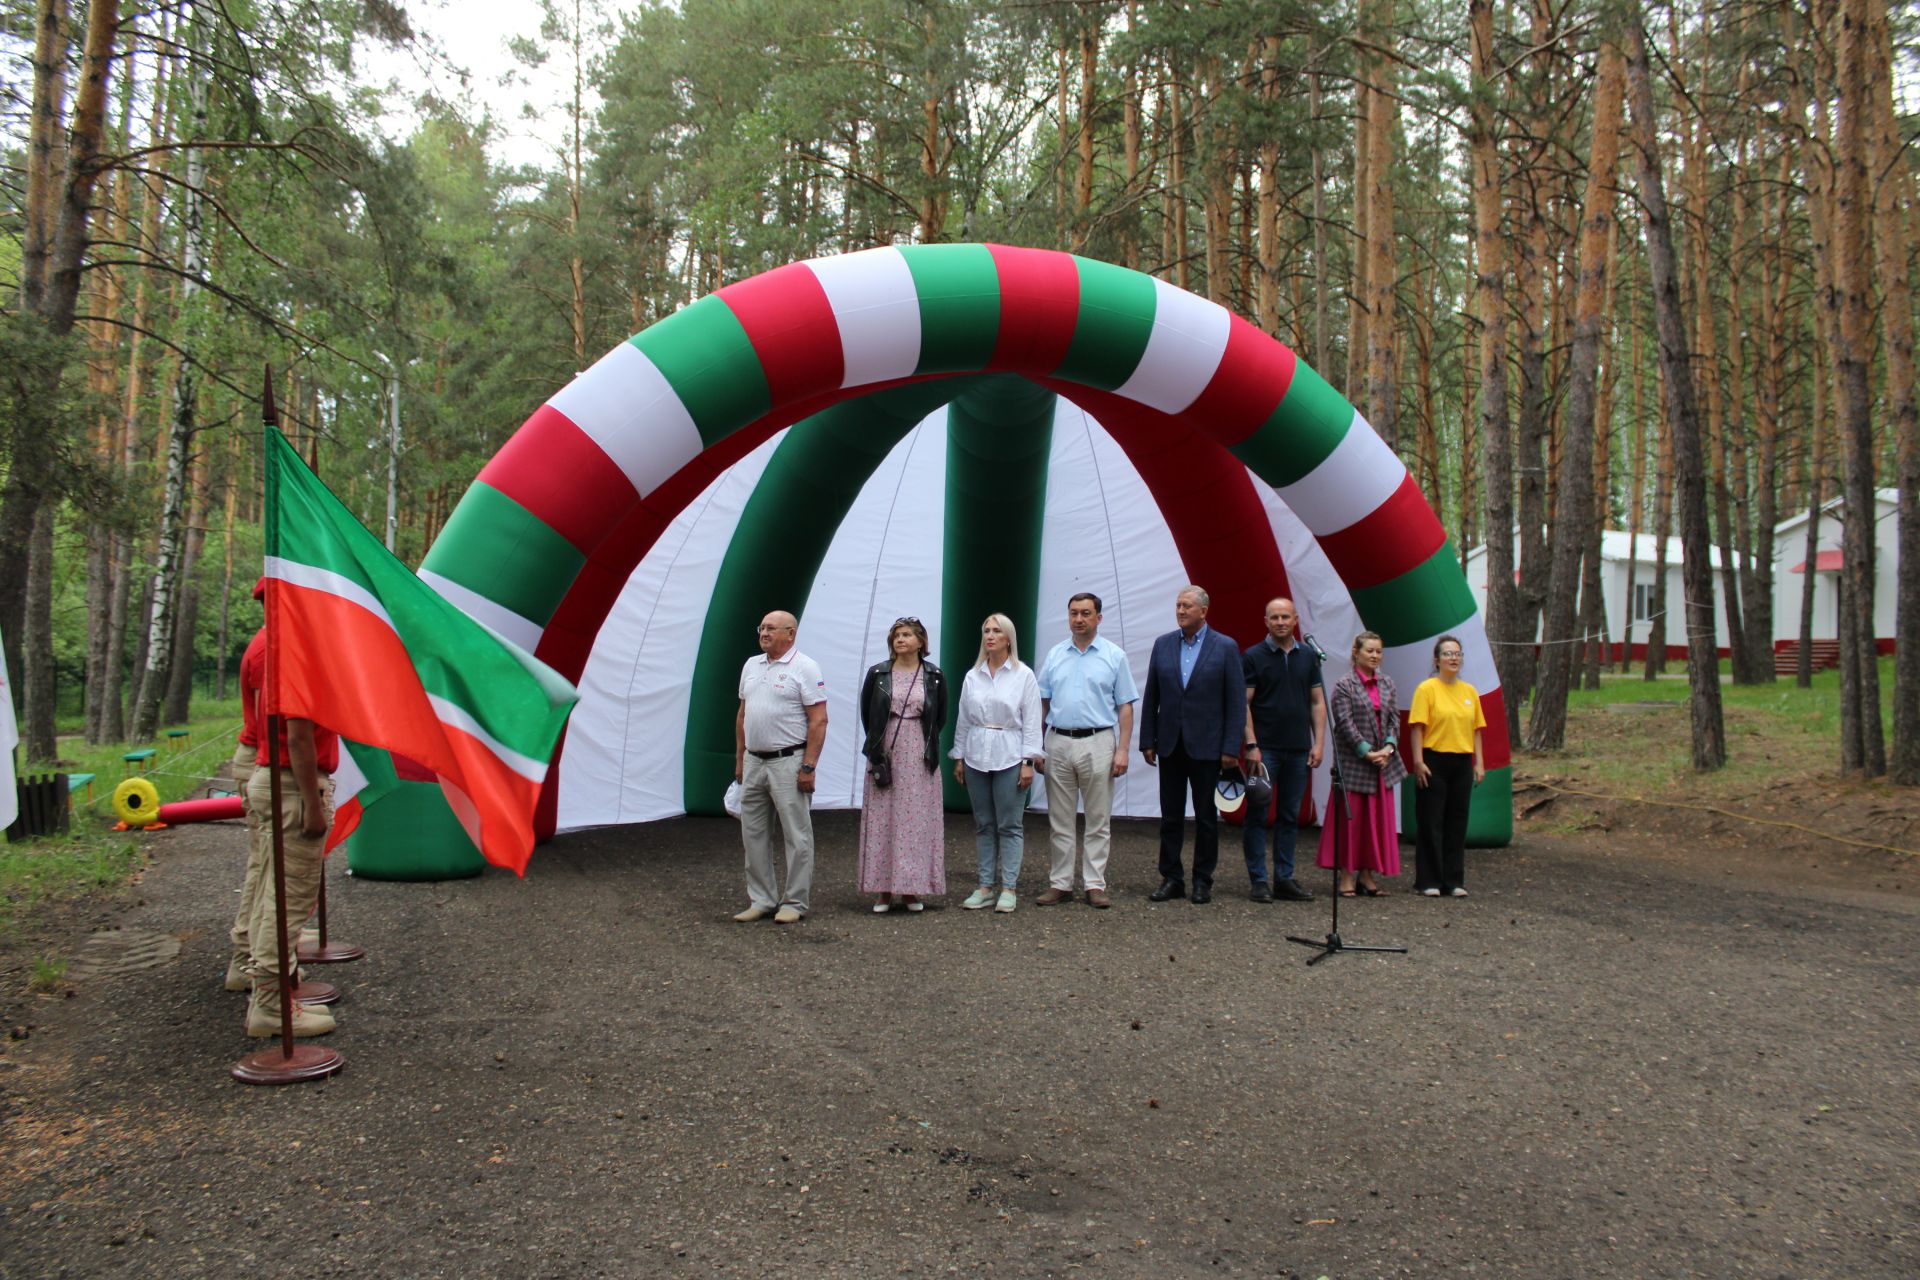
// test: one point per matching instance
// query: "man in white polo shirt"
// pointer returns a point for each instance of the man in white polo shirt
(777, 737)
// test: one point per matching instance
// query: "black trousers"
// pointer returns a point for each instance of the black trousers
(1179, 774)
(1440, 846)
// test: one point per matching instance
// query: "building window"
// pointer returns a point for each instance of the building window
(1642, 601)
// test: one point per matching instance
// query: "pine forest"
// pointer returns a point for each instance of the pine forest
(1589, 265)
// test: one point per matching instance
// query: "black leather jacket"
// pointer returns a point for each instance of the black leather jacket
(876, 713)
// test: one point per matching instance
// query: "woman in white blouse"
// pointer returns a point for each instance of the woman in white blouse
(996, 739)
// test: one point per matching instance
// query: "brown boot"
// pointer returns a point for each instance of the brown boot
(263, 1014)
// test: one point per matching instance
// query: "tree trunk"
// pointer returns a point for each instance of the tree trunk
(1865, 749)
(1573, 516)
(165, 585)
(179, 698)
(39, 687)
(1656, 662)
(1636, 499)
(1890, 244)
(1358, 295)
(1530, 279)
(1496, 442)
(1383, 382)
(1703, 674)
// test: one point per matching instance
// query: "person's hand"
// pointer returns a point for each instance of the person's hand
(960, 772)
(804, 784)
(1479, 773)
(1039, 766)
(1253, 756)
(1421, 773)
(1026, 775)
(1313, 756)
(313, 820)
(1380, 757)
(1229, 762)
(1146, 754)
(1120, 763)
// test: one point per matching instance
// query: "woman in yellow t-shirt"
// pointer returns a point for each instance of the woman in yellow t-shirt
(1443, 732)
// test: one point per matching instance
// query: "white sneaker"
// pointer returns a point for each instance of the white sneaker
(1008, 901)
(1456, 892)
(881, 907)
(981, 897)
(1429, 893)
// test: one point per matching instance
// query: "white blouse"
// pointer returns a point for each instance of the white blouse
(999, 721)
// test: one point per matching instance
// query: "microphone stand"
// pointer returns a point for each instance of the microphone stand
(1334, 944)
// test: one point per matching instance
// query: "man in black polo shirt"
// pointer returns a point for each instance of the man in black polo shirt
(1288, 706)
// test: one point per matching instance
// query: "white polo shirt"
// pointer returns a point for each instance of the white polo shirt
(777, 694)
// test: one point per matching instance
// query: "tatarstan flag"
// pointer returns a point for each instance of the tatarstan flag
(359, 644)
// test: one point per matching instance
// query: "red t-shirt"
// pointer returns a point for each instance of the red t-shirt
(254, 660)
(253, 678)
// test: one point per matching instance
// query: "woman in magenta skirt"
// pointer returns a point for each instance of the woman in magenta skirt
(1362, 831)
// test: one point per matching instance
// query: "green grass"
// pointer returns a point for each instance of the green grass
(1776, 733)
(93, 856)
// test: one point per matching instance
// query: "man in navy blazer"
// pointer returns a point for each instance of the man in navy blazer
(1193, 719)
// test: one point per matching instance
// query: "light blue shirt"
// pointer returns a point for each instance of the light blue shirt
(1190, 652)
(1085, 690)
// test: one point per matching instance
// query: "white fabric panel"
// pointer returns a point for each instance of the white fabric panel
(1326, 613)
(625, 406)
(1353, 480)
(625, 754)
(1409, 664)
(1105, 534)
(878, 310)
(1188, 340)
(883, 563)
(496, 618)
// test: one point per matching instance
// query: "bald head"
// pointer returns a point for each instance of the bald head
(777, 631)
(1281, 621)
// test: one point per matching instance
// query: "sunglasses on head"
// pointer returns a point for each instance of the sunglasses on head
(905, 622)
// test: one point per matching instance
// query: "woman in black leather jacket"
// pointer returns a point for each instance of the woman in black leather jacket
(903, 707)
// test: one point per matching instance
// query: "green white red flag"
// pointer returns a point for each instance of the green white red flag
(360, 645)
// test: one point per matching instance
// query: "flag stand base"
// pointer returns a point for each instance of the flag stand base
(277, 1066)
(330, 953)
(316, 993)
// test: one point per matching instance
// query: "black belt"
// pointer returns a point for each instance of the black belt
(1082, 733)
(775, 755)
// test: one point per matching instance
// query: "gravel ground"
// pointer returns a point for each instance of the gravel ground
(1607, 1061)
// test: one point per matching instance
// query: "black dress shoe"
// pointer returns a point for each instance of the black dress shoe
(1261, 893)
(1290, 891)
(1168, 889)
(1201, 894)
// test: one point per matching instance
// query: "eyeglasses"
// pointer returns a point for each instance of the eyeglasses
(906, 622)
(1454, 654)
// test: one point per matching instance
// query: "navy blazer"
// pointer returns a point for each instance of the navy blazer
(1209, 715)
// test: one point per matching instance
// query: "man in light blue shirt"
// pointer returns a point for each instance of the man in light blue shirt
(1086, 698)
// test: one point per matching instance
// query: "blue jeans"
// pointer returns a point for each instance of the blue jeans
(999, 824)
(1288, 772)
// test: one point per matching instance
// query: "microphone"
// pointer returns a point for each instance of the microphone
(1314, 645)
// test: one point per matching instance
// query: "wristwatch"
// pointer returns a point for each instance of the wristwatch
(806, 768)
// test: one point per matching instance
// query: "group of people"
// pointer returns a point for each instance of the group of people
(1209, 710)
(308, 755)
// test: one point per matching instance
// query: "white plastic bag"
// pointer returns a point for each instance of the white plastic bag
(731, 801)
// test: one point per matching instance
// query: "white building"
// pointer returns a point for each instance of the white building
(1790, 568)
(1617, 551)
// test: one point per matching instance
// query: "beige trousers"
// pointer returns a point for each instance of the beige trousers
(1080, 770)
(257, 856)
(304, 864)
(772, 805)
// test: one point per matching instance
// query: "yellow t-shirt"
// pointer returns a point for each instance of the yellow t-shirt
(1450, 714)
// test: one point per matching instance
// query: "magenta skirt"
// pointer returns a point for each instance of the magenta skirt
(1371, 841)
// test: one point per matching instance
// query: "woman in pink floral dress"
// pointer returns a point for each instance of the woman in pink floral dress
(903, 706)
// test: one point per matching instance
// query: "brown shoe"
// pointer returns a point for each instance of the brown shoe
(1098, 898)
(1053, 898)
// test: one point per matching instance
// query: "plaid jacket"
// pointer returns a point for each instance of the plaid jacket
(1354, 722)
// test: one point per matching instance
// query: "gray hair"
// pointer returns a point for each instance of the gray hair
(1199, 594)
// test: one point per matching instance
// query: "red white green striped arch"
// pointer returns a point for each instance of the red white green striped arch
(542, 544)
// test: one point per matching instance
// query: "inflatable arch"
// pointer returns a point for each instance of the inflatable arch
(1026, 397)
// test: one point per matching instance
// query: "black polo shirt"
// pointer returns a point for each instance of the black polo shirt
(1282, 682)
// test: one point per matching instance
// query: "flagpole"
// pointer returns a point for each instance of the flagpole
(292, 1062)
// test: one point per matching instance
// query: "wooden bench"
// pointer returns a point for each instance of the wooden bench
(74, 783)
(141, 759)
(177, 739)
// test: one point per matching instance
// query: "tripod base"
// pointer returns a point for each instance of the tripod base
(276, 1066)
(330, 953)
(1333, 944)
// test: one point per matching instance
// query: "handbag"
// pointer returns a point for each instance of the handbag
(883, 767)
